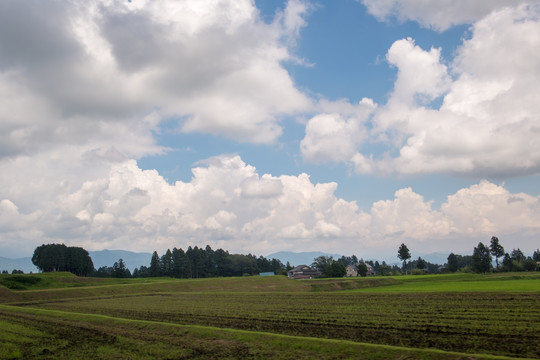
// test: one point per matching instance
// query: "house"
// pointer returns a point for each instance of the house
(370, 270)
(351, 271)
(303, 272)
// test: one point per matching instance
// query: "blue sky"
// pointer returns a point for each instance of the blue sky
(344, 50)
(260, 126)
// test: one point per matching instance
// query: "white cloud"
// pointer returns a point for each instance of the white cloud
(421, 76)
(73, 72)
(439, 15)
(228, 204)
(485, 126)
(334, 135)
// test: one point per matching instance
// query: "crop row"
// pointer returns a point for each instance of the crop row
(494, 323)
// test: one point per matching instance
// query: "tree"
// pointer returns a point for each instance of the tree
(166, 263)
(421, 263)
(288, 266)
(507, 263)
(529, 264)
(517, 255)
(335, 269)
(155, 265)
(181, 266)
(481, 258)
(404, 255)
(452, 262)
(496, 249)
(119, 270)
(536, 255)
(362, 269)
(321, 262)
(59, 257)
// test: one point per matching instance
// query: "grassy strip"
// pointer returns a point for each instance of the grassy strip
(55, 334)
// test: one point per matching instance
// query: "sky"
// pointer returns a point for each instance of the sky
(346, 127)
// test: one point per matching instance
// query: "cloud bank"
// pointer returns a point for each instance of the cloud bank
(228, 204)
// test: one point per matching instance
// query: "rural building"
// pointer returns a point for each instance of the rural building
(351, 271)
(303, 272)
(270, 273)
(370, 270)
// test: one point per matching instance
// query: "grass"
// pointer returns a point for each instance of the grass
(63, 335)
(509, 282)
(424, 317)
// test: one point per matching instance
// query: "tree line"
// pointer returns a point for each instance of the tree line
(196, 262)
(205, 262)
(481, 260)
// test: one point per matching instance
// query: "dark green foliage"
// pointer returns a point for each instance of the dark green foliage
(481, 259)
(362, 269)
(453, 264)
(536, 255)
(335, 269)
(320, 263)
(205, 262)
(155, 265)
(496, 249)
(329, 267)
(119, 270)
(141, 272)
(103, 272)
(348, 260)
(180, 263)
(59, 257)
(529, 265)
(517, 255)
(166, 263)
(516, 261)
(421, 263)
(404, 255)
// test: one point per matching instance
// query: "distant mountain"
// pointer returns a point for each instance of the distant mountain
(299, 258)
(25, 264)
(132, 260)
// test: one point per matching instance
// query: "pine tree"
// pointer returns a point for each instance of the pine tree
(155, 265)
(496, 249)
(404, 255)
(481, 258)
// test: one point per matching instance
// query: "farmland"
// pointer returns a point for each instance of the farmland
(416, 317)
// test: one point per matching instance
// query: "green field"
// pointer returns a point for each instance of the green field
(415, 317)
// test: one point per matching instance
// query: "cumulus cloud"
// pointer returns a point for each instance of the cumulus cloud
(476, 116)
(228, 204)
(75, 73)
(439, 15)
(334, 135)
